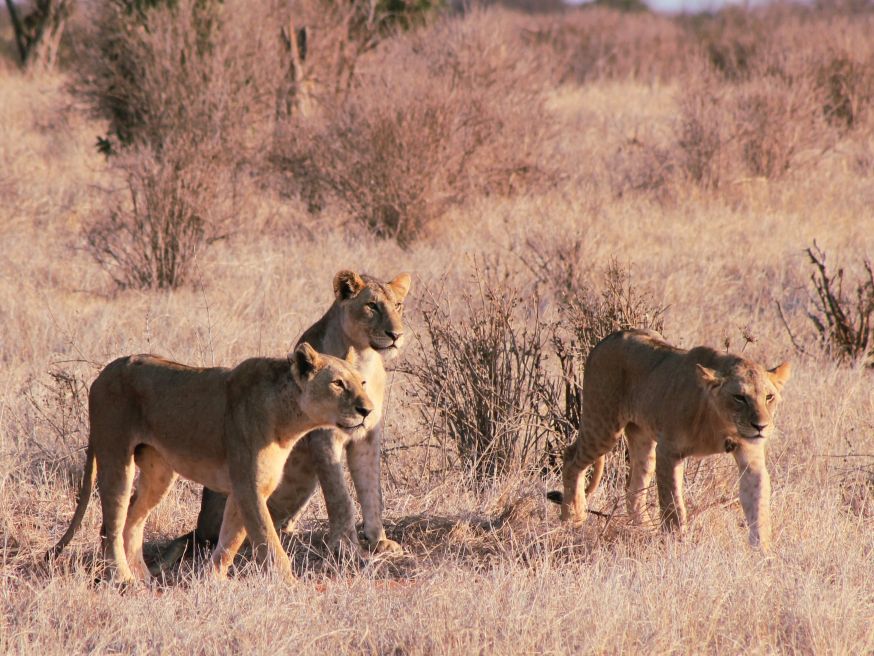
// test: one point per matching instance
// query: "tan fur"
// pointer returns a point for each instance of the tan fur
(673, 403)
(351, 328)
(229, 429)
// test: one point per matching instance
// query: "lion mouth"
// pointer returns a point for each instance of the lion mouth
(350, 427)
(387, 347)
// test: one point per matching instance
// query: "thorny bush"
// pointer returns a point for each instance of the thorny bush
(500, 383)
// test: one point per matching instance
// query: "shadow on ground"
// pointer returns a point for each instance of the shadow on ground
(525, 529)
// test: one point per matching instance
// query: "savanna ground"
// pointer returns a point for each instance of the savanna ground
(535, 155)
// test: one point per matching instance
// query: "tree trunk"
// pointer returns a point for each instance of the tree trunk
(38, 34)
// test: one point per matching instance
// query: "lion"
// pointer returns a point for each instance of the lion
(671, 404)
(366, 321)
(229, 429)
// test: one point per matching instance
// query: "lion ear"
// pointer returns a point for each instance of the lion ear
(401, 285)
(780, 374)
(347, 284)
(305, 362)
(709, 377)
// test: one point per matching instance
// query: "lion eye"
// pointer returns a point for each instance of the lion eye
(373, 307)
(769, 398)
(339, 384)
(740, 398)
(399, 307)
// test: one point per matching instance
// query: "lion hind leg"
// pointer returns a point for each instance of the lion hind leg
(209, 524)
(296, 486)
(114, 485)
(156, 478)
(595, 440)
(595, 477)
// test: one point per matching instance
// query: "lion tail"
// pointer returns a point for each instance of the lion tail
(85, 490)
(557, 496)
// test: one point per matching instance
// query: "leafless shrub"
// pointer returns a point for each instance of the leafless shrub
(173, 207)
(604, 43)
(189, 90)
(640, 165)
(463, 113)
(486, 373)
(700, 136)
(586, 316)
(732, 40)
(481, 371)
(202, 68)
(774, 119)
(337, 35)
(758, 127)
(844, 324)
(847, 86)
(388, 163)
(59, 406)
(777, 83)
(62, 404)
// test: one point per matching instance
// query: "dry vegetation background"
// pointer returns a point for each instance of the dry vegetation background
(545, 178)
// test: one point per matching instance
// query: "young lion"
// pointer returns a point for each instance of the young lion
(230, 429)
(366, 321)
(672, 404)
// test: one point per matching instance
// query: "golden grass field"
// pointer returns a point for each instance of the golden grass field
(485, 570)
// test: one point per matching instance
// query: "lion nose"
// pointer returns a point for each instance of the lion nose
(395, 336)
(363, 411)
(758, 427)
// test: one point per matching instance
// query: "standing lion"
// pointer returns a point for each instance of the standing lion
(365, 323)
(229, 429)
(672, 404)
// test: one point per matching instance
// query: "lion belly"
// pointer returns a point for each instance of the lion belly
(209, 471)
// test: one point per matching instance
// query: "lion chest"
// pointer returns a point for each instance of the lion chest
(269, 465)
(372, 371)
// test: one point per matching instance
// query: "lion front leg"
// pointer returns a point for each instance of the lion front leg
(364, 465)
(642, 452)
(573, 505)
(231, 536)
(669, 477)
(755, 492)
(265, 541)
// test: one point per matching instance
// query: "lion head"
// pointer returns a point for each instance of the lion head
(372, 311)
(332, 392)
(746, 396)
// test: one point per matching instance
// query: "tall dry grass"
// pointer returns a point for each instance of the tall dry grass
(487, 567)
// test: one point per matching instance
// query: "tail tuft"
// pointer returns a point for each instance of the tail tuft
(555, 496)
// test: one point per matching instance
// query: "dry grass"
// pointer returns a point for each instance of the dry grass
(488, 568)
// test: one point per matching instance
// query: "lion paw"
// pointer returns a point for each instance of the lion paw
(344, 546)
(387, 547)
